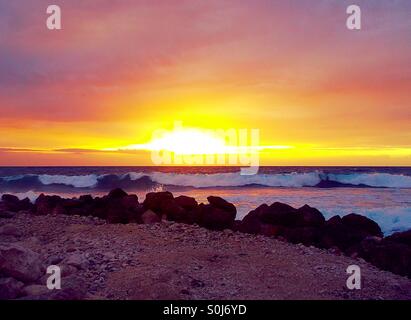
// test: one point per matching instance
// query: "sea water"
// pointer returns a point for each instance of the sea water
(380, 193)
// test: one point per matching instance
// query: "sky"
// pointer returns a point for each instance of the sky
(121, 69)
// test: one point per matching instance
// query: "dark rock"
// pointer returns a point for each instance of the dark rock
(86, 199)
(362, 224)
(222, 204)
(280, 214)
(251, 223)
(116, 207)
(270, 230)
(20, 263)
(236, 225)
(387, 255)
(14, 204)
(130, 201)
(305, 235)
(401, 237)
(117, 193)
(6, 214)
(174, 212)
(214, 218)
(44, 205)
(10, 288)
(158, 201)
(310, 217)
(187, 203)
(150, 217)
(347, 232)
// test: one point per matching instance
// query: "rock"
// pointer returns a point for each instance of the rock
(251, 223)
(54, 260)
(44, 205)
(280, 214)
(306, 235)
(20, 263)
(117, 193)
(14, 204)
(118, 207)
(158, 201)
(187, 203)
(269, 230)
(344, 233)
(67, 294)
(335, 234)
(401, 237)
(10, 230)
(387, 255)
(129, 201)
(10, 288)
(310, 217)
(6, 214)
(78, 260)
(222, 204)
(215, 218)
(35, 290)
(150, 217)
(362, 224)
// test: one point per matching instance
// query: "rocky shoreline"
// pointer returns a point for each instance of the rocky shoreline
(167, 247)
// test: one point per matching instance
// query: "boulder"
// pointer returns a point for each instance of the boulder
(44, 205)
(362, 224)
(118, 207)
(214, 218)
(10, 288)
(222, 204)
(78, 260)
(6, 214)
(310, 217)
(401, 237)
(150, 217)
(280, 214)
(385, 254)
(14, 204)
(174, 212)
(309, 236)
(251, 223)
(187, 203)
(344, 233)
(20, 263)
(270, 230)
(35, 290)
(158, 202)
(117, 193)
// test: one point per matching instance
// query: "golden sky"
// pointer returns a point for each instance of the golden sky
(120, 70)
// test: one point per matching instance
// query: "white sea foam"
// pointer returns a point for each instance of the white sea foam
(32, 195)
(232, 179)
(84, 181)
(373, 179)
(236, 180)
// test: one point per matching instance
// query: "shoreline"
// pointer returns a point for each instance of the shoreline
(275, 243)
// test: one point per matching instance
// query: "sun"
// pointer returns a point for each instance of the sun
(199, 141)
(189, 141)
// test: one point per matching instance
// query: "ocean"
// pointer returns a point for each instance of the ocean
(380, 193)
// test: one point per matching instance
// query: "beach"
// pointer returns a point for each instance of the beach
(165, 247)
(179, 261)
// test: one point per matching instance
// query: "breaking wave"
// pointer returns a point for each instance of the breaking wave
(153, 179)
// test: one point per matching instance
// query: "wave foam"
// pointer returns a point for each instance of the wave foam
(232, 179)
